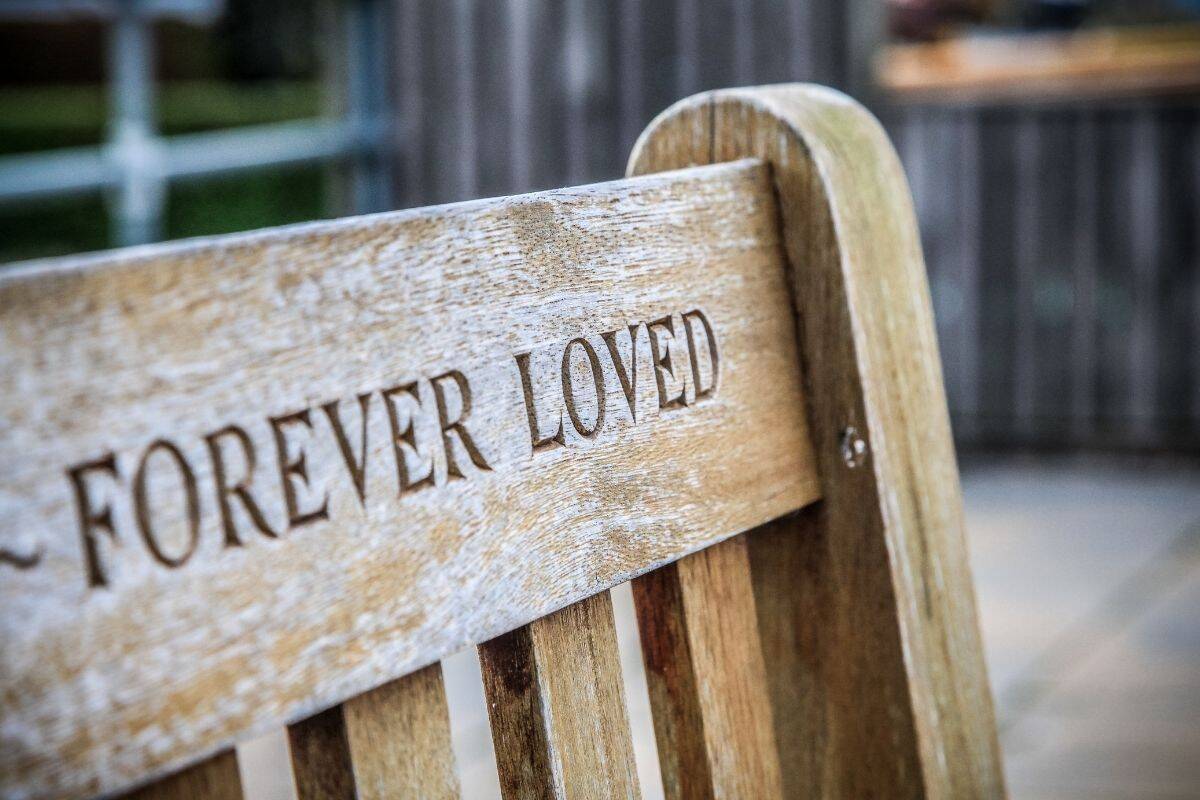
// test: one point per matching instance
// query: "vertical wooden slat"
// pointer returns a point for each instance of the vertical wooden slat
(320, 753)
(631, 75)
(1145, 214)
(1114, 268)
(998, 200)
(970, 233)
(800, 30)
(440, 143)
(575, 45)
(493, 36)
(545, 57)
(707, 678)
(1025, 266)
(742, 30)
(410, 166)
(660, 51)
(796, 627)
(1192, 265)
(718, 30)
(465, 81)
(687, 39)
(1179, 213)
(393, 741)
(599, 40)
(520, 114)
(217, 778)
(1053, 282)
(557, 706)
(1084, 257)
(773, 36)
(937, 213)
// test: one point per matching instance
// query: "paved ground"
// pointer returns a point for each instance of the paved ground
(1088, 577)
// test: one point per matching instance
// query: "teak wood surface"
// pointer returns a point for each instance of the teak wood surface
(272, 479)
(879, 624)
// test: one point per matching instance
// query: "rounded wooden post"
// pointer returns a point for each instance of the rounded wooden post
(880, 626)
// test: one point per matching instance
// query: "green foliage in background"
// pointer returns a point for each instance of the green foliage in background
(44, 117)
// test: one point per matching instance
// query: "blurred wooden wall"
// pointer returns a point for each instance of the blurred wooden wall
(1061, 239)
(1063, 244)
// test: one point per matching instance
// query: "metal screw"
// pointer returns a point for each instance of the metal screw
(854, 448)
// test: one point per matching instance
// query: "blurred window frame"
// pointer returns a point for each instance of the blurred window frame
(136, 165)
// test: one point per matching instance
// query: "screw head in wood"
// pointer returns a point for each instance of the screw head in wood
(854, 447)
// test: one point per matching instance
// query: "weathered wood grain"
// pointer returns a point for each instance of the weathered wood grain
(218, 517)
(216, 778)
(707, 679)
(393, 741)
(905, 708)
(557, 707)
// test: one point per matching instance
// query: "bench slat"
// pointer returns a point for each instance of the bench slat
(216, 778)
(707, 680)
(794, 626)
(393, 741)
(557, 706)
(203, 538)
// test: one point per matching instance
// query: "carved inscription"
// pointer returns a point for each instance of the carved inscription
(155, 498)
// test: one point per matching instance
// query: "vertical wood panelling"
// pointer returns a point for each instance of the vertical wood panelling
(1025, 267)
(687, 36)
(1172, 325)
(1114, 269)
(603, 157)
(997, 314)
(500, 90)
(545, 135)
(1145, 234)
(410, 105)
(964, 375)
(444, 153)
(465, 87)
(660, 48)
(630, 74)
(1084, 255)
(772, 36)
(718, 31)
(579, 55)
(1050, 302)
(1054, 264)
(1187, 213)
(516, 95)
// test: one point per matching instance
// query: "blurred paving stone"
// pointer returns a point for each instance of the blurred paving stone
(1088, 578)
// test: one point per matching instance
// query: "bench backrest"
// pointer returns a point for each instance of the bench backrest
(274, 478)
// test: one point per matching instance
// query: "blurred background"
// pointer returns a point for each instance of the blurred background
(1053, 147)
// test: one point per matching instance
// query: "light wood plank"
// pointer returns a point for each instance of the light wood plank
(393, 741)
(216, 778)
(557, 706)
(906, 709)
(796, 629)
(219, 594)
(707, 679)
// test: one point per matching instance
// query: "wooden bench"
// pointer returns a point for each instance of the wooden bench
(273, 479)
